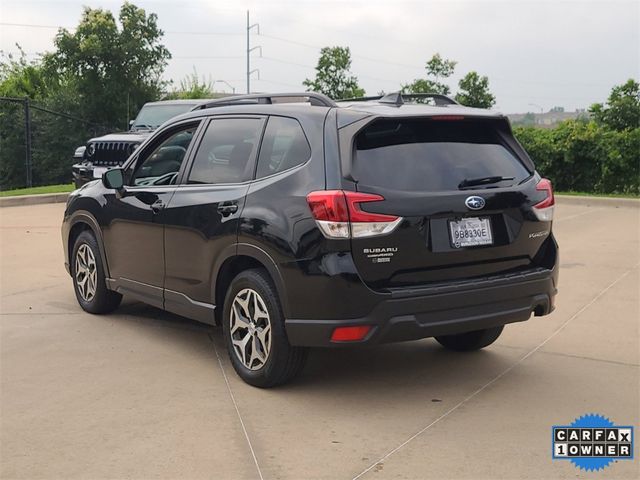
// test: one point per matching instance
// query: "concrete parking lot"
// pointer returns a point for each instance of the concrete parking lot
(146, 394)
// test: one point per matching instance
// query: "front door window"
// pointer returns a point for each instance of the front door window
(160, 165)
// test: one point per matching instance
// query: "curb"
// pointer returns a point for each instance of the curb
(587, 201)
(23, 200)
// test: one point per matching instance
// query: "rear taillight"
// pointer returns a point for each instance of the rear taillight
(338, 214)
(544, 209)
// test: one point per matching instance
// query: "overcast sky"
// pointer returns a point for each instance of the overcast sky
(537, 54)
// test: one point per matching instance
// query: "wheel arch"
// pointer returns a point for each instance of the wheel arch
(246, 256)
(79, 222)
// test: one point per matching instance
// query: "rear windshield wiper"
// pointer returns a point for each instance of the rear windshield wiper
(472, 182)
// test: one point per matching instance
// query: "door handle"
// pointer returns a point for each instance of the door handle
(227, 208)
(157, 206)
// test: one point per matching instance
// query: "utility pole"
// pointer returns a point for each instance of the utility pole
(27, 142)
(249, 50)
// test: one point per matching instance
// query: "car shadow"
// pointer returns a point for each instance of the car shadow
(421, 362)
(146, 314)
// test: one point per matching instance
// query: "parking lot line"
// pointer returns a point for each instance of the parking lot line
(233, 399)
(499, 376)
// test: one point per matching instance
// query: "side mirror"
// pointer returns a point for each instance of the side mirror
(131, 123)
(113, 179)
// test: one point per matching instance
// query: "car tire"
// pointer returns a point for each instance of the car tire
(254, 332)
(88, 276)
(469, 341)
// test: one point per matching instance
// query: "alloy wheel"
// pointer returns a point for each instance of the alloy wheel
(86, 274)
(250, 329)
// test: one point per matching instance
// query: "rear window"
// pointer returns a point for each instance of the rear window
(431, 155)
(227, 151)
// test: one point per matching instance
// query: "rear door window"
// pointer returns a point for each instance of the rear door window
(431, 155)
(284, 146)
(227, 151)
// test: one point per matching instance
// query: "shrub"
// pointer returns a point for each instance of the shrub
(585, 156)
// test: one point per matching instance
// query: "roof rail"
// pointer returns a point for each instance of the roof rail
(398, 98)
(315, 99)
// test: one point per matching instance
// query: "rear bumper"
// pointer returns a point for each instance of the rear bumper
(441, 310)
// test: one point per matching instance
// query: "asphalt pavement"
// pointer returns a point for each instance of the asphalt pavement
(142, 393)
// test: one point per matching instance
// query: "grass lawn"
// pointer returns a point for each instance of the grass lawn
(69, 187)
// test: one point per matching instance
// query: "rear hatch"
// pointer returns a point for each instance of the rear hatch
(464, 189)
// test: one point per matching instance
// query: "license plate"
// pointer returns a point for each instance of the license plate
(470, 232)
(98, 171)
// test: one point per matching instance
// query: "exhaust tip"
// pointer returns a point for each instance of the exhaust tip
(539, 310)
(541, 306)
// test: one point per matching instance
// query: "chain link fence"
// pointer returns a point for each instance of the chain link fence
(37, 143)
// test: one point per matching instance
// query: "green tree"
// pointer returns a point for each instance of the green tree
(438, 69)
(114, 67)
(474, 91)
(192, 87)
(21, 78)
(333, 75)
(53, 137)
(622, 110)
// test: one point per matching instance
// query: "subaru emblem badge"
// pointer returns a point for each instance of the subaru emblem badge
(474, 203)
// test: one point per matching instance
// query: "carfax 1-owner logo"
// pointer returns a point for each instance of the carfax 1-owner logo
(592, 442)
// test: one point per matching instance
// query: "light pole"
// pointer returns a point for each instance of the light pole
(233, 89)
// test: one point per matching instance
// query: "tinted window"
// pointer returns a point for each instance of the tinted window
(152, 116)
(160, 165)
(284, 146)
(428, 155)
(227, 150)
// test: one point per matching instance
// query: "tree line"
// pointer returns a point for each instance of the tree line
(334, 79)
(599, 154)
(100, 75)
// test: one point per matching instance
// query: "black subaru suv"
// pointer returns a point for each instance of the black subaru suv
(294, 221)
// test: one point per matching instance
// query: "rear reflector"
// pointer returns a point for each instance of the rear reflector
(544, 209)
(339, 215)
(350, 334)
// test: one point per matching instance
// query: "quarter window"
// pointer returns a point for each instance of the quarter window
(227, 151)
(284, 146)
